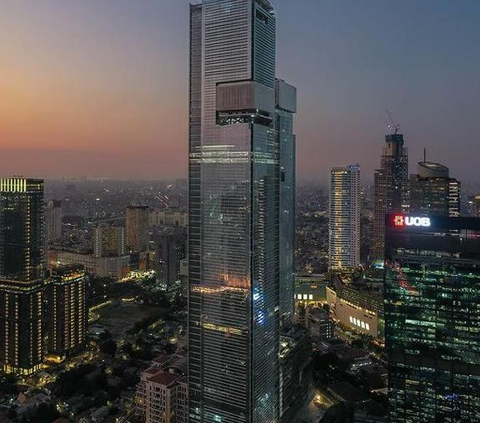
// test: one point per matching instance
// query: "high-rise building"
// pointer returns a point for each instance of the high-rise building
(137, 227)
(21, 275)
(285, 108)
(344, 222)
(53, 219)
(432, 318)
(391, 189)
(66, 312)
(170, 250)
(433, 192)
(109, 241)
(234, 294)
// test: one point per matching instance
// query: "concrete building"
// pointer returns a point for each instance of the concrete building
(54, 215)
(162, 394)
(109, 241)
(170, 250)
(137, 228)
(170, 217)
(320, 324)
(344, 221)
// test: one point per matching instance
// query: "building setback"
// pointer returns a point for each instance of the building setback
(432, 318)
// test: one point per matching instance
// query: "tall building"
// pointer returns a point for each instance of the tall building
(344, 222)
(473, 205)
(234, 294)
(432, 318)
(433, 192)
(137, 227)
(54, 216)
(109, 241)
(21, 275)
(391, 189)
(170, 250)
(285, 108)
(66, 311)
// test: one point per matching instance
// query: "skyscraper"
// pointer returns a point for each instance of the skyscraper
(54, 220)
(391, 189)
(285, 108)
(21, 275)
(66, 311)
(432, 318)
(344, 223)
(433, 192)
(137, 223)
(234, 295)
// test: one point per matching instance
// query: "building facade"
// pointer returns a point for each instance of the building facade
(170, 250)
(391, 189)
(433, 192)
(21, 275)
(137, 228)
(54, 217)
(234, 295)
(109, 241)
(344, 222)
(432, 318)
(285, 108)
(66, 312)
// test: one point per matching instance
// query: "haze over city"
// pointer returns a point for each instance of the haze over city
(99, 88)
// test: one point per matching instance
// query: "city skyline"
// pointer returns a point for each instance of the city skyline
(128, 63)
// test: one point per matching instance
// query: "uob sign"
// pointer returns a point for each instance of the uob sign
(400, 220)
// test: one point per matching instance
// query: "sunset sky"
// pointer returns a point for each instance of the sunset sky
(99, 87)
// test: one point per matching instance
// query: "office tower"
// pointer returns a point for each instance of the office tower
(21, 275)
(234, 214)
(109, 241)
(433, 192)
(66, 311)
(344, 223)
(285, 108)
(54, 216)
(137, 219)
(432, 313)
(170, 250)
(391, 188)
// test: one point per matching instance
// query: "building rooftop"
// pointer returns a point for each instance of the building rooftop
(164, 378)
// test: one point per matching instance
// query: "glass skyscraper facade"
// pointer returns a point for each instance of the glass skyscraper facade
(21, 275)
(234, 190)
(285, 108)
(432, 317)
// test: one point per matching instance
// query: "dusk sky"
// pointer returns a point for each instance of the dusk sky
(99, 87)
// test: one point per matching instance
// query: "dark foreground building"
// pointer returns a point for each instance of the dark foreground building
(21, 275)
(432, 312)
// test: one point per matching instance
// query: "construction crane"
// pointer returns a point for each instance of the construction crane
(394, 126)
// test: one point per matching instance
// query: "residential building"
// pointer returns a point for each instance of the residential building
(21, 275)
(66, 312)
(137, 228)
(54, 215)
(344, 222)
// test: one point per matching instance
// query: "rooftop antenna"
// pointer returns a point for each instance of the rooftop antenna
(394, 126)
(424, 155)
